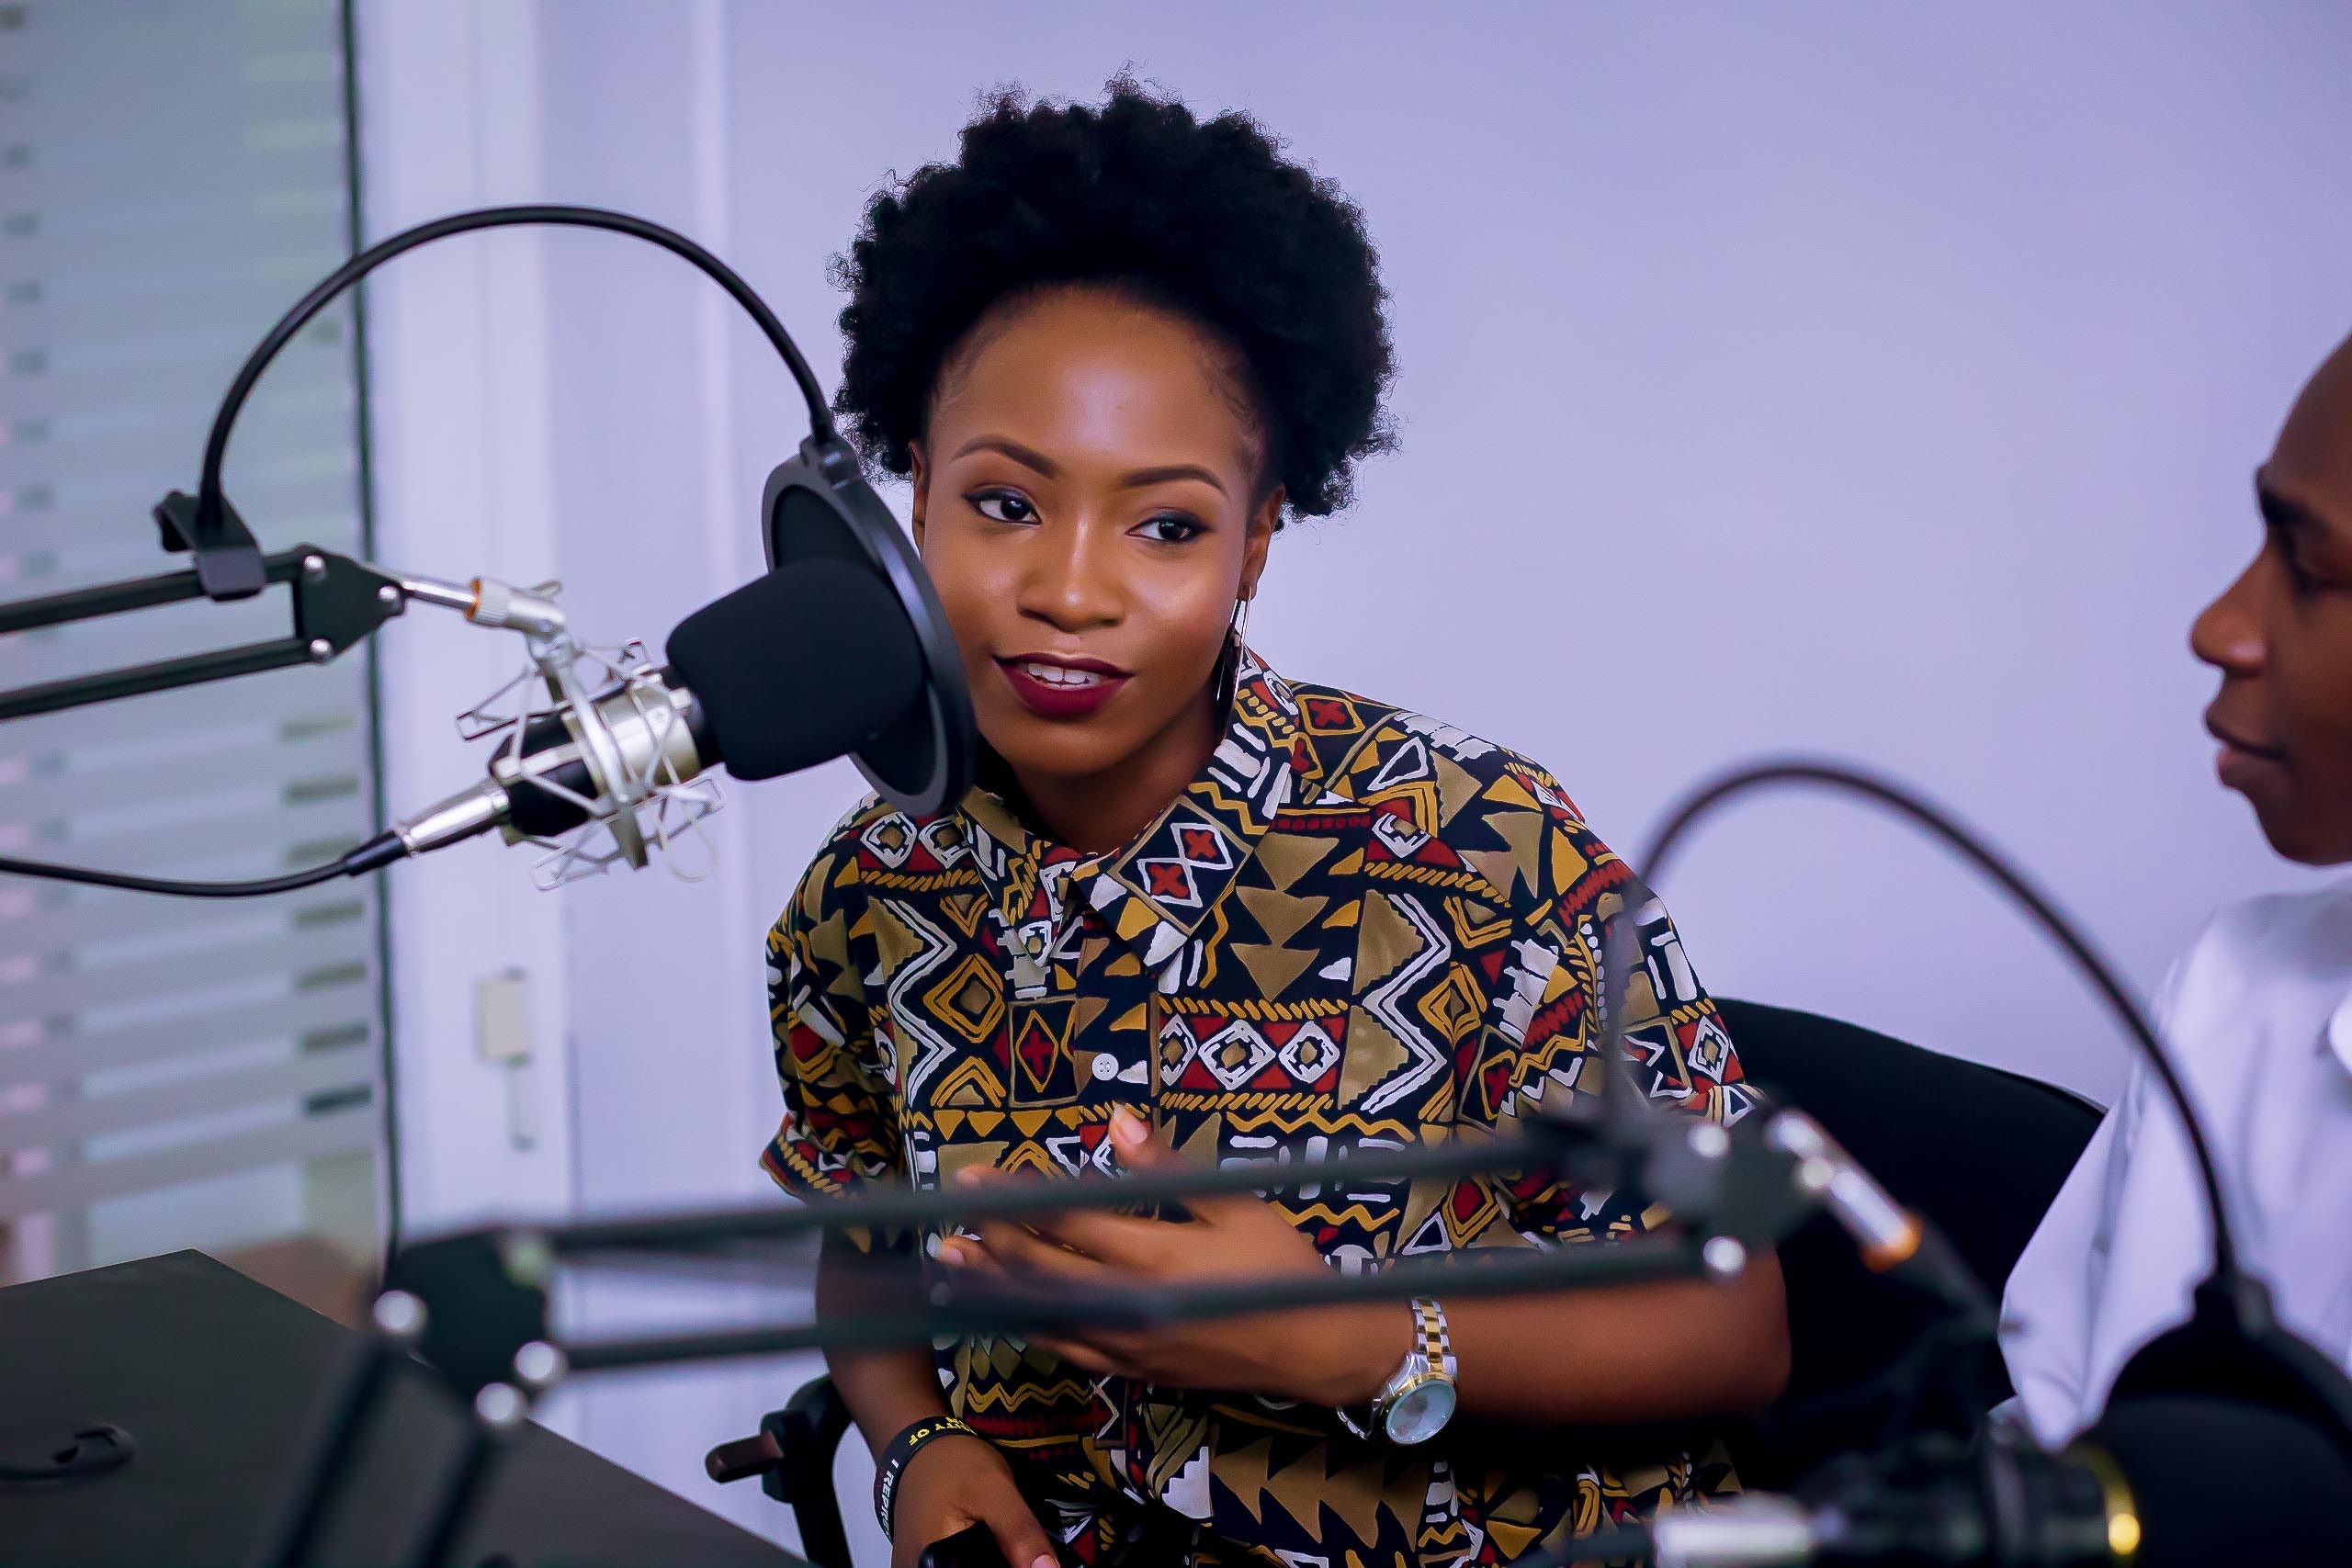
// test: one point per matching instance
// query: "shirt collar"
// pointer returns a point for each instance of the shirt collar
(1154, 893)
(2339, 1033)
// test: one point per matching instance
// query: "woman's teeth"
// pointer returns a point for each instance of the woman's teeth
(1061, 675)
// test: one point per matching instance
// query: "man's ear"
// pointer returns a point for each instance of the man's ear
(1262, 524)
(916, 474)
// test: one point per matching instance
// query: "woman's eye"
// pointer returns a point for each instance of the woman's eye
(1171, 529)
(1003, 506)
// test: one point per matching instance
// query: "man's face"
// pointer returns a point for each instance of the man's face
(2282, 635)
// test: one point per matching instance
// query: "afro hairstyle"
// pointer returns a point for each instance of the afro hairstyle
(1205, 218)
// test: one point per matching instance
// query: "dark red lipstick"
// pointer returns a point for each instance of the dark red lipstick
(1060, 686)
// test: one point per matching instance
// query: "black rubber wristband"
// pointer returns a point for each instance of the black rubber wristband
(895, 1455)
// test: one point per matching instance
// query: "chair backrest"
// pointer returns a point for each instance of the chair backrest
(1979, 1152)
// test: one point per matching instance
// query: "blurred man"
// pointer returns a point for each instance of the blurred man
(2258, 1012)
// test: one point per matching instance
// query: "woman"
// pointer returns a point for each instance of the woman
(1199, 910)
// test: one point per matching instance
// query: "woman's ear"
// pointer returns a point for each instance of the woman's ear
(916, 472)
(1262, 524)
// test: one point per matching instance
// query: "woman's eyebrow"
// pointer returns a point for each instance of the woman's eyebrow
(1142, 477)
(1028, 457)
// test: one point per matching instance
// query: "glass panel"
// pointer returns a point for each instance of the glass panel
(173, 175)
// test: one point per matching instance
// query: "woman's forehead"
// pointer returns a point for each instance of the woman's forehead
(1088, 378)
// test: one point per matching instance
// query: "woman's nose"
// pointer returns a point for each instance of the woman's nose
(1073, 580)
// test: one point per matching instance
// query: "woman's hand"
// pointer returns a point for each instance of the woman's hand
(1332, 1356)
(953, 1482)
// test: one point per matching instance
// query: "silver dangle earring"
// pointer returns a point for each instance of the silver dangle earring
(1226, 678)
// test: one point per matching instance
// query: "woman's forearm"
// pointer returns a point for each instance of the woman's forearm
(887, 1390)
(1629, 1353)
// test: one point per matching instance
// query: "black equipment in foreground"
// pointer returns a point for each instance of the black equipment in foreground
(1978, 1152)
(216, 1379)
(476, 1304)
(841, 649)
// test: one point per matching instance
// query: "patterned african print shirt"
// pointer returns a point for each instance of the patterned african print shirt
(1358, 928)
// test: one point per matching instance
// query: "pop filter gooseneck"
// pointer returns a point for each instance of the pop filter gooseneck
(1835, 778)
(816, 506)
(2232, 1344)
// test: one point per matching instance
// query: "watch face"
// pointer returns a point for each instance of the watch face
(1421, 1411)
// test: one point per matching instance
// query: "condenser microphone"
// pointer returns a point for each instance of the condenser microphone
(806, 663)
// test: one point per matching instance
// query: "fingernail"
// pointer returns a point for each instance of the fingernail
(1045, 1560)
(951, 1255)
(969, 1176)
(1127, 1127)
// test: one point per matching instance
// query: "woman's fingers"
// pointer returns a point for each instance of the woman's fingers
(967, 1252)
(1018, 1534)
(1124, 1242)
(1080, 1354)
(1015, 1249)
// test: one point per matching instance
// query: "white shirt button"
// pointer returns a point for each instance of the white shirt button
(1105, 1067)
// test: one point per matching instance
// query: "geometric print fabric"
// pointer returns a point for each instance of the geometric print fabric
(1357, 927)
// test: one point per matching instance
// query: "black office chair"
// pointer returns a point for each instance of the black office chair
(1979, 1151)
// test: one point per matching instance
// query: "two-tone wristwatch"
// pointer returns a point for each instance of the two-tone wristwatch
(1418, 1400)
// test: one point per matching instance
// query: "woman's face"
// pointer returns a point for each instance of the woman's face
(2281, 635)
(1089, 502)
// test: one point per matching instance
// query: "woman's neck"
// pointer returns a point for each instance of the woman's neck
(1095, 813)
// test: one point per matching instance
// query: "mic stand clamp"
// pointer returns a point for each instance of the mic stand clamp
(228, 558)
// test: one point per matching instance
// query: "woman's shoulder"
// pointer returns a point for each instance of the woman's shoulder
(872, 828)
(1447, 801)
(1364, 748)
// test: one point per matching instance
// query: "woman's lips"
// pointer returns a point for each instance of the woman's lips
(1062, 688)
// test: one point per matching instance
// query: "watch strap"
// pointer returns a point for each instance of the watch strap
(1432, 1348)
(1437, 1341)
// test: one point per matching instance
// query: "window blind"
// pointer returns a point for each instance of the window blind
(173, 175)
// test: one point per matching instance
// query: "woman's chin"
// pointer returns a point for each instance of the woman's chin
(1042, 748)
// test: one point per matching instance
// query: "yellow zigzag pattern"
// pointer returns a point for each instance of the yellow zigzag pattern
(990, 1394)
(1268, 1100)
(921, 881)
(1433, 875)
(1318, 1122)
(1354, 1213)
(1257, 1011)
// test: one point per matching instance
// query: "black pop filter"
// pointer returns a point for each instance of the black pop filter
(809, 662)
(819, 508)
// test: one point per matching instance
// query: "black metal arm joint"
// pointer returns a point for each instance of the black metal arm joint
(485, 1295)
(338, 603)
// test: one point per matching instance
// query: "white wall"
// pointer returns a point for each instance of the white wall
(1878, 381)
(1872, 380)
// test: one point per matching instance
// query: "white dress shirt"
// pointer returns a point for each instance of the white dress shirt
(2258, 1016)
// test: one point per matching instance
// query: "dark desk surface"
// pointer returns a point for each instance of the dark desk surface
(218, 1379)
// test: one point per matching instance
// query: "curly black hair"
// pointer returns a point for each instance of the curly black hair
(1202, 218)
